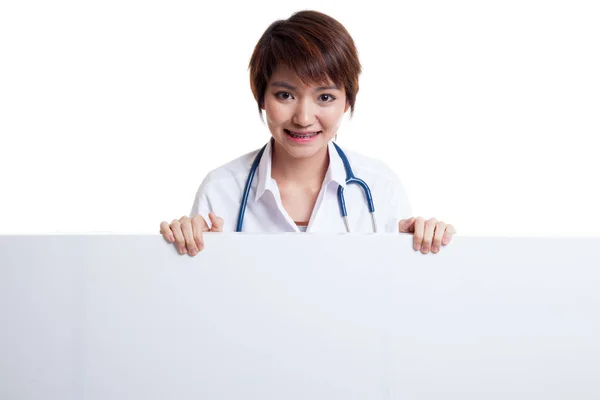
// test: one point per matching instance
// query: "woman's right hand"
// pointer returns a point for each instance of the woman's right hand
(187, 232)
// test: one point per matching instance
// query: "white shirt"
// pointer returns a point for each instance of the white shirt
(222, 189)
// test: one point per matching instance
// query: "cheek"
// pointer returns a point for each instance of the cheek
(333, 117)
(275, 112)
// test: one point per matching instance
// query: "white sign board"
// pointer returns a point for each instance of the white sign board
(299, 316)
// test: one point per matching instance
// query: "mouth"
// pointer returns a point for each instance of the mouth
(302, 136)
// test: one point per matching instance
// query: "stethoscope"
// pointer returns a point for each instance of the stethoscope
(350, 178)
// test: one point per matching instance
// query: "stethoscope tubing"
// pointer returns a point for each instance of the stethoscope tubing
(350, 179)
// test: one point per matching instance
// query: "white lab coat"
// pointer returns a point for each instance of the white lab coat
(221, 193)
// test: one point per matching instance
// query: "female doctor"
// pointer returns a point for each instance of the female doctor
(304, 75)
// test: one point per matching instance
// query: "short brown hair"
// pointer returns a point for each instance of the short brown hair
(313, 45)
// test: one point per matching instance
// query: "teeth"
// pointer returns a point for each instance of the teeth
(302, 136)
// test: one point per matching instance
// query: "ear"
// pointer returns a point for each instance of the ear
(347, 106)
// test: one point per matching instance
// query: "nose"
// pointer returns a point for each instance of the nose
(304, 114)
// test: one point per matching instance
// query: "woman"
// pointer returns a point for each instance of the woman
(304, 75)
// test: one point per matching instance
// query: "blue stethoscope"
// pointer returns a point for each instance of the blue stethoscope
(350, 178)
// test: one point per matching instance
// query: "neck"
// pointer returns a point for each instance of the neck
(311, 171)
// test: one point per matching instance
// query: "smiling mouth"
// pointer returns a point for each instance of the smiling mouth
(301, 135)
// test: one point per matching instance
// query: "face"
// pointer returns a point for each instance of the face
(302, 118)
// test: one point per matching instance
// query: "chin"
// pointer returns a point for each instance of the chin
(302, 150)
(304, 153)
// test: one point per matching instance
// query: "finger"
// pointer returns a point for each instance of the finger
(179, 239)
(418, 235)
(165, 230)
(440, 229)
(428, 235)
(217, 223)
(450, 231)
(188, 234)
(406, 225)
(198, 226)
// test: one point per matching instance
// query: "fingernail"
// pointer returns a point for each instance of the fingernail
(417, 247)
(192, 252)
(435, 249)
(445, 240)
(425, 249)
(183, 250)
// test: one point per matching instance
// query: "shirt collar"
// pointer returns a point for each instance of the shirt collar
(265, 182)
(335, 172)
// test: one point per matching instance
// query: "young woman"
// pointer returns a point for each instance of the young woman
(304, 75)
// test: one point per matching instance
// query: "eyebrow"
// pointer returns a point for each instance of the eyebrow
(292, 87)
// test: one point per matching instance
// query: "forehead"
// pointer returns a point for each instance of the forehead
(283, 72)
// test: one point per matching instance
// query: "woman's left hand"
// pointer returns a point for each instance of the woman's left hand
(428, 234)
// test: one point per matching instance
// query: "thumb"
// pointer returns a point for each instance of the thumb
(407, 225)
(217, 223)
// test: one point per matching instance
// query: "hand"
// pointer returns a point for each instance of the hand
(427, 234)
(187, 233)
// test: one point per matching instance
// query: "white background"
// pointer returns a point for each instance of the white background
(112, 112)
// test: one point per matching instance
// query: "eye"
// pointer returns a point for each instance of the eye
(283, 95)
(326, 98)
